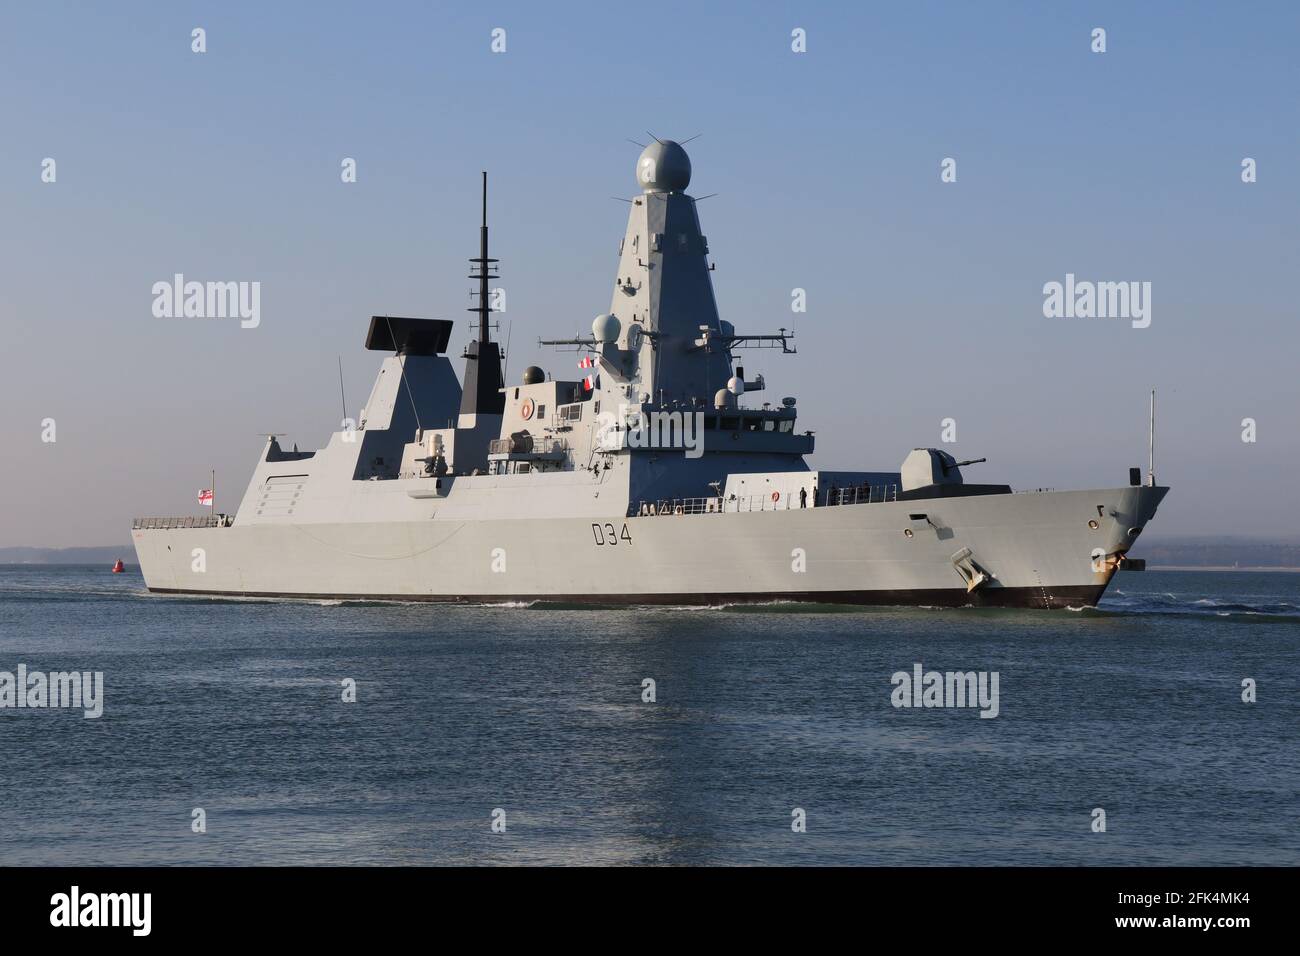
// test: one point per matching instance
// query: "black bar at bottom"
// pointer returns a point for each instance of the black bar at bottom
(331, 904)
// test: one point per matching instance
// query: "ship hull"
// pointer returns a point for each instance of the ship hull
(1035, 550)
(1058, 598)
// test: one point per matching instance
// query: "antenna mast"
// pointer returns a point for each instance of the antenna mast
(342, 394)
(1151, 444)
(481, 392)
(483, 271)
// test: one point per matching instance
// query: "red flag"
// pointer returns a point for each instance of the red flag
(589, 382)
(205, 497)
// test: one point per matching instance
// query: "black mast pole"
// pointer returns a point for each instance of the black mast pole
(484, 309)
(481, 392)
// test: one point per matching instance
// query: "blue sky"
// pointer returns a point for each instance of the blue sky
(924, 298)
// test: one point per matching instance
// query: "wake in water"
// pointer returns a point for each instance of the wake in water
(1120, 602)
(54, 585)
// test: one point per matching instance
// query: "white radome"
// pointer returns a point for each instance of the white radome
(663, 167)
(605, 328)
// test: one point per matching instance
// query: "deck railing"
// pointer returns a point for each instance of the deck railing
(525, 446)
(858, 495)
(185, 521)
(830, 497)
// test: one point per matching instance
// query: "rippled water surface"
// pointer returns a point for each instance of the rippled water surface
(234, 706)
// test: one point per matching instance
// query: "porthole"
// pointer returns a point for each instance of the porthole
(907, 532)
(1093, 524)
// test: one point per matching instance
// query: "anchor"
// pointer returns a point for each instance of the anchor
(974, 576)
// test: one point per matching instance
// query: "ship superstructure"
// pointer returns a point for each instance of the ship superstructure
(653, 476)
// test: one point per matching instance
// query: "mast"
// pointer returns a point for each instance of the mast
(1151, 444)
(482, 272)
(481, 393)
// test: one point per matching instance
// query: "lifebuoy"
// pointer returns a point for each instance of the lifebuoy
(776, 496)
(527, 409)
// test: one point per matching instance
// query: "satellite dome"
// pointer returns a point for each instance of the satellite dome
(663, 167)
(533, 375)
(736, 385)
(605, 328)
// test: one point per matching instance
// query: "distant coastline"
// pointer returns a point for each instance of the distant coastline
(1219, 554)
(1220, 567)
(89, 555)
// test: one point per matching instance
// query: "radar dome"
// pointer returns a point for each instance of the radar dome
(605, 328)
(663, 167)
(533, 375)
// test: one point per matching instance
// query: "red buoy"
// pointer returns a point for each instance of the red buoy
(118, 566)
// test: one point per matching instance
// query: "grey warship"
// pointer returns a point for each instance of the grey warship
(654, 478)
